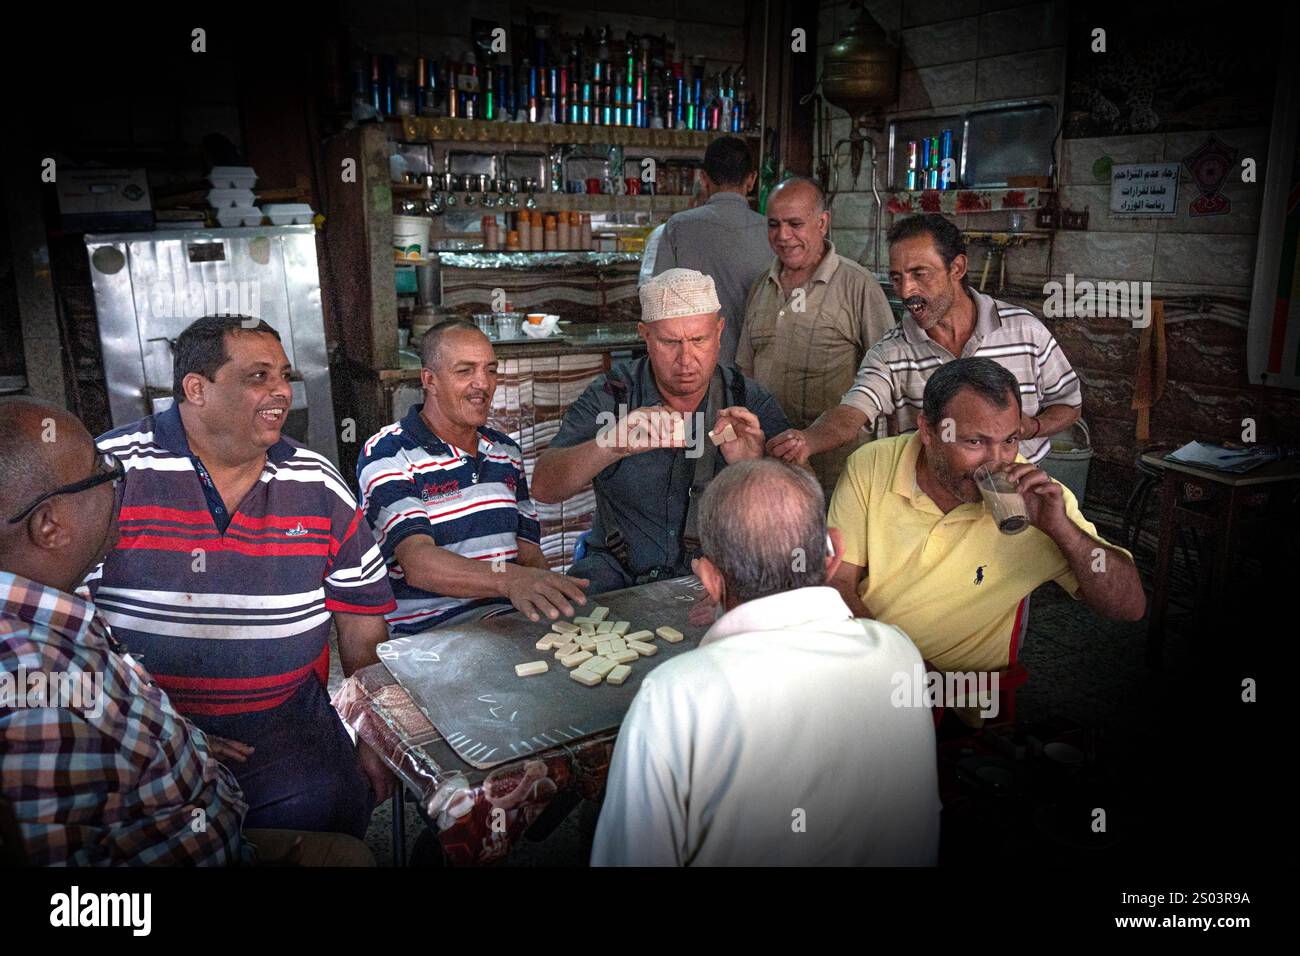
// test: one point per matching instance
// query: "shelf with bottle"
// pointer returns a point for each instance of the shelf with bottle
(535, 74)
(960, 201)
(421, 129)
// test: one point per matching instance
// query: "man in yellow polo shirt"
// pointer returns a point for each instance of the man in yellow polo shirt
(923, 553)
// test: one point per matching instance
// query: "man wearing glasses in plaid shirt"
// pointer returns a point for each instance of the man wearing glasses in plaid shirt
(113, 775)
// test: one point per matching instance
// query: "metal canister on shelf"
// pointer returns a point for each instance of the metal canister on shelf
(925, 155)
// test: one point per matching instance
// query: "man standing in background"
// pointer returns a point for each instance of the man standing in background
(810, 318)
(723, 238)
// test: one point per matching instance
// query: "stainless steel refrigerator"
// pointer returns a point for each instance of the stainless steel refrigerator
(150, 285)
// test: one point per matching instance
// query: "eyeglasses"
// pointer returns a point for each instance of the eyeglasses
(110, 468)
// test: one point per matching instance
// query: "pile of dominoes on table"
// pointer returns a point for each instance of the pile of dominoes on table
(596, 650)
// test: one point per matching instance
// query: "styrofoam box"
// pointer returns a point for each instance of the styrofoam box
(239, 216)
(232, 177)
(286, 213)
(225, 198)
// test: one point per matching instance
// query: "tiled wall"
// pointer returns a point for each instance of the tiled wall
(958, 54)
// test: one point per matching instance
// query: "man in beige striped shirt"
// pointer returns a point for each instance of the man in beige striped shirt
(810, 318)
(946, 320)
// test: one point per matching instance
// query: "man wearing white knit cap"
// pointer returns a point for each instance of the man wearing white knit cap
(651, 434)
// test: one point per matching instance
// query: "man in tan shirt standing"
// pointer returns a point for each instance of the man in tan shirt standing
(810, 318)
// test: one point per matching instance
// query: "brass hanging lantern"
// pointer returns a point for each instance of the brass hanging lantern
(860, 73)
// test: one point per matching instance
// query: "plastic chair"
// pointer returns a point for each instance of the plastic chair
(1010, 677)
(580, 548)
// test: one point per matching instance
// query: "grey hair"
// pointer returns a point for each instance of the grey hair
(763, 523)
(431, 344)
(989, 379)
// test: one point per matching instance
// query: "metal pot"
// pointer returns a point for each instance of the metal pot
(860, 72)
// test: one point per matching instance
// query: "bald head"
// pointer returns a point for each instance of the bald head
(431, 346)
(797, 224)
(801, 191)
(763, 526)
(44, 447)
(40, 444)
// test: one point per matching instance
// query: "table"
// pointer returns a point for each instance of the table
(1218, 503)
(480, 813)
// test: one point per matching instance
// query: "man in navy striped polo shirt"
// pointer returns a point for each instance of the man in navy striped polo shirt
(447, 498)
(237, 547)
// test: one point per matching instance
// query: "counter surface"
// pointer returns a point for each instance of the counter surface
(580, 339)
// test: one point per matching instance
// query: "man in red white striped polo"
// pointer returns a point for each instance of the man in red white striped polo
(237, 548)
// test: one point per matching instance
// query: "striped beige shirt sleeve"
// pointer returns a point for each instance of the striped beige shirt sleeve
(1057, 382)
(872, 392)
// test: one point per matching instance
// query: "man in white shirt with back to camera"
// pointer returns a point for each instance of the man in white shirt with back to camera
(775, 742)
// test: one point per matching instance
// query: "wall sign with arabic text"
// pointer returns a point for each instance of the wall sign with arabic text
(1144, 189)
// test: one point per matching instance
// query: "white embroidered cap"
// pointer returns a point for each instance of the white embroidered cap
(678, 292)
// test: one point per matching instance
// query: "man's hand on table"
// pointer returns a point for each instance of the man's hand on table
(749, 440)
(535, 592)
(703, 612)
(381, 777)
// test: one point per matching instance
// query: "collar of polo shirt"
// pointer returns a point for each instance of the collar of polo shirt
(825, 269)
(169, 432)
